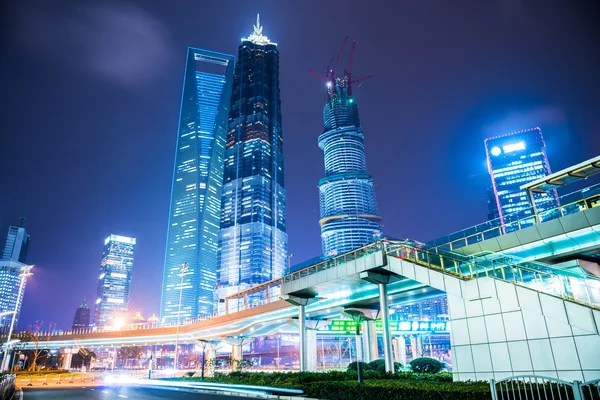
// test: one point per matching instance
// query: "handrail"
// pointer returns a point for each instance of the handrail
(502, 228)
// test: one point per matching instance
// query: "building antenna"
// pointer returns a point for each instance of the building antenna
(22, 217)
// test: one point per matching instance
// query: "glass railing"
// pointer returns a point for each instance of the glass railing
(518, 221)
(568, 285)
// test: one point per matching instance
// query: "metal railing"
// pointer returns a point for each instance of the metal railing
(514, 222)
(532, 387)
(7, 386)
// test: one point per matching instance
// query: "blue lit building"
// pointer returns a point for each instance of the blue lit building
(195, 210)
(349, 213)
(17, 244)
(513, 160)
(114, 282)
(82, 317)
(253, 239)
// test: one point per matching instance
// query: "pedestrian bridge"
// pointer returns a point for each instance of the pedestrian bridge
(509, 315)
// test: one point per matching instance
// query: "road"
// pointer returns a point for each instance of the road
(117, 392)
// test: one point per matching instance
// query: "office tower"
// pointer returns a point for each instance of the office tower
(115, 279)
(195, 210)
(514, 160)
(492, 205)
(253, 239)
(82, 317)
(349, 213)
(17, 243)
(12, 275)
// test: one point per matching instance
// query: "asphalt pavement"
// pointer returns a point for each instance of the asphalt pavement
(117, 393)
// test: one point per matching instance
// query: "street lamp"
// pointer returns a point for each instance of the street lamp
(25, 272)
(182, 273)
(358, 317)
(289, 266)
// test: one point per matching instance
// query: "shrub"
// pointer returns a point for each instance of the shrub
(189, 374)
(353, 366)
(398, 390)
(414, 376)
(379, 365)
(426, 364)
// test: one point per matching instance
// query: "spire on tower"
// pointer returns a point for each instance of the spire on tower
(257, 36)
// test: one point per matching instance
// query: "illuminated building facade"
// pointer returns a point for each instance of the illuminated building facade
(195, 210)
(115, 279)
(11, 267)
(253, 239)
(17, 243)
(349, 212)
(513, 160)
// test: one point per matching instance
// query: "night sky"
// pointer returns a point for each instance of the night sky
(91, 92)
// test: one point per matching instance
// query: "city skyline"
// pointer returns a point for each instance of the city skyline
(562, 117)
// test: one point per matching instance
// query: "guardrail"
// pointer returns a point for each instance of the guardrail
(514, 222)
(533, 387)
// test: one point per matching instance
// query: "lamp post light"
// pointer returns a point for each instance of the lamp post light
(182, 272)
(358, 317)
(25, 273)
(289, 266)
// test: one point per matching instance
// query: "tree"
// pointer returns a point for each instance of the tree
(39, 338)
(129, 353)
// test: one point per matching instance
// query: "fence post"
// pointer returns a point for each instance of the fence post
(577, 391)
(30, 380)
(58, 383)
(493, 389)
(45, 381)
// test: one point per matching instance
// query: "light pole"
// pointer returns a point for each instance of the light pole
(25, 272)
(182, 273)
(289, 266)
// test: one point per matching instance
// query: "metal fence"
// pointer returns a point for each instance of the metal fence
(7, 386)
(531, 387)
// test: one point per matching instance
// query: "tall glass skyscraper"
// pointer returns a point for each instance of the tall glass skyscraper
(513, 160)
(253, 239)
(115, 279)
(195, 211)
(17, 244)
(349, 213)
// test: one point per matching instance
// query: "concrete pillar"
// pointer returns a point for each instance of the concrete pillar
(301, 303)
(302, 336)
(311, 350)
(236, 352)
(369, 334)
(66, 364)
(211, 354)
(385, 322)
(400, 350)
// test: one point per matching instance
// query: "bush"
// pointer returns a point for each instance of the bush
(414, 376)
(427, 365)
(353, 366)
(189, 374)
(398, 390)
(379, 365)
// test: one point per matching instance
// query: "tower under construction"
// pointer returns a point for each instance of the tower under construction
(349, 213)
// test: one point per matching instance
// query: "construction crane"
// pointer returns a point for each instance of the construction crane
(329, 78)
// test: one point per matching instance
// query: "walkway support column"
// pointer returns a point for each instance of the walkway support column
(301, 303)
(371, 349)
(385, 324)
(382, 279)
(236, 343)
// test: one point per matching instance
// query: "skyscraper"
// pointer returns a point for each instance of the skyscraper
(17, 244)
(349, 213)
(12, 271)
(195, 210)
(115, 279)
(253, 239)
(82, 317)
(514, 160)
(11, 274)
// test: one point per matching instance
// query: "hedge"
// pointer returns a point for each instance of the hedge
(426, 364)
(398, 390)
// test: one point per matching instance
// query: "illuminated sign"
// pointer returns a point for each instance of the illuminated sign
(118, 275)
(509, 148)
(496, 151)
(117, 238)
(347, 325)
